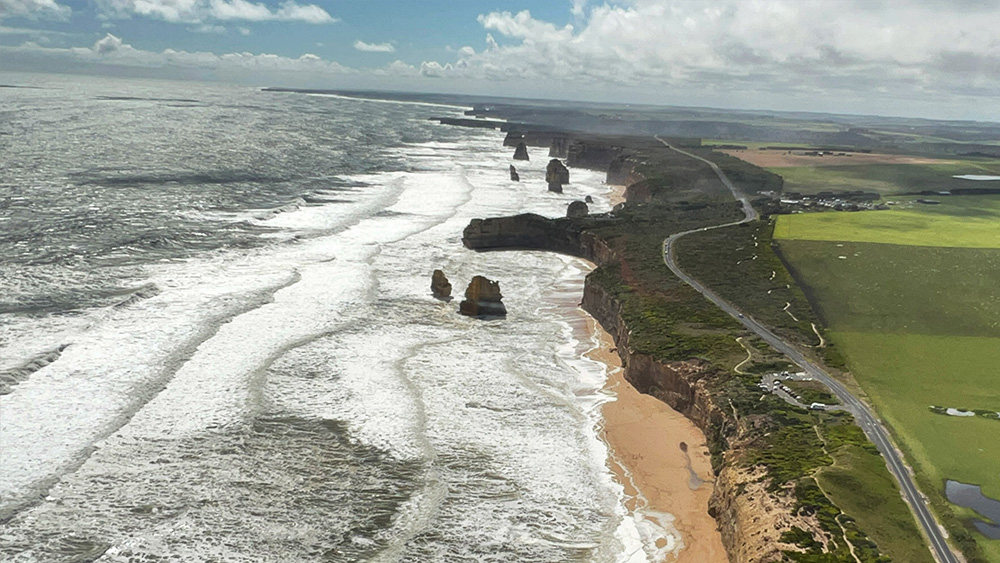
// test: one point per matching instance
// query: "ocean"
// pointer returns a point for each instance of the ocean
(218, 342)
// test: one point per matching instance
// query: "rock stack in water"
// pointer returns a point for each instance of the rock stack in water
(440, 286)
(588, 199)
(514, 176)
(482, 299)
(521, 152)
(556, 174)
(577, 209)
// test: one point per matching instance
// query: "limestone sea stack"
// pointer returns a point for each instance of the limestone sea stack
(514, 176)
(440, 286)
(521, 152)
(577, 209)
(482, 299)
(556, 174)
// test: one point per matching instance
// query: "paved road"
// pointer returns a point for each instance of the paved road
(864, 416)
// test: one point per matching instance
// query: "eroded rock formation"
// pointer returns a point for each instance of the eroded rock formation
(483, 299)
(559, 147)
(588, 199)
(440, 286)
(514, 176)
(556, 174)
(521, 152)
(577, 209)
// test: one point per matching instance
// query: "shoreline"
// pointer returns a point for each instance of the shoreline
(659, 457)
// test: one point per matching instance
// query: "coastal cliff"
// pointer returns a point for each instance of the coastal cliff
(750, 524)
(750, 519)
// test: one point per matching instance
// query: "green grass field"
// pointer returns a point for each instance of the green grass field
(887, 178)
(954, 371)
(958, 221)
(900, 289)
(912, 299)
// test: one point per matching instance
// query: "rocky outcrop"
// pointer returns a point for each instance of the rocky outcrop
(619, 170)
(559, 147)
(440, 286)
(521, 152)
(588, 199)
(514, 176)
(592, 155)
(534, 232)
(577, 209)
(483, 299)
(556, 175)
(526, 231)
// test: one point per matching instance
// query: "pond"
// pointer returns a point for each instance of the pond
(971, 496)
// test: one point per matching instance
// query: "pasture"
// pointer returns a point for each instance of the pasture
(887, 178)
(958, 221)
(911, 298)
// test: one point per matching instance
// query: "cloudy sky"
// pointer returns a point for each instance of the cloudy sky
(931, 58)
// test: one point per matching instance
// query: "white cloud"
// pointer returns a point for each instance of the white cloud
(244, 31)
(374, 47)
(734, 49)
(208, 28)
(33, 9)
(110, 44)
(198, 11)
(397, 68)
(111, 52)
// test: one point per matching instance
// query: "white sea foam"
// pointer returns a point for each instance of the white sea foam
(497, 421)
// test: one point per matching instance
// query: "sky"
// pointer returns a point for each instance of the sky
(919, 58)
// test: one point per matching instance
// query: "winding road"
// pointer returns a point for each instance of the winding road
(865, 418)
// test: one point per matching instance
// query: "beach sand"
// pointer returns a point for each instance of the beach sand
(616, 194)
(649, 439)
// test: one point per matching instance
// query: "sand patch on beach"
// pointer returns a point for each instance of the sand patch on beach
(616, 194)
(660, 457)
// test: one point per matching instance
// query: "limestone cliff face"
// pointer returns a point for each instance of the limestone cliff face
(557, 175)
(521, 152)
(483, 299)
(592, 157)
(440, 286)
(526, 231)
(751, 520)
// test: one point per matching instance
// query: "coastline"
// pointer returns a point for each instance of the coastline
(644, 438)
(659, 457)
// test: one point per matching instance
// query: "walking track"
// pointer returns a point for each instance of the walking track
(863, 415)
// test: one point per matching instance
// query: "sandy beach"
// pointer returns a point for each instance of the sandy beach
(661, 453)
(616, 194)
